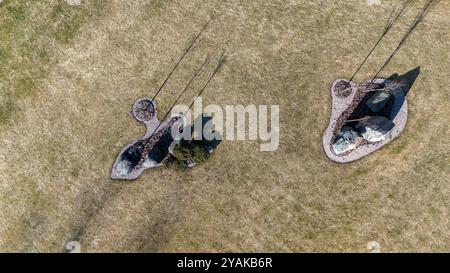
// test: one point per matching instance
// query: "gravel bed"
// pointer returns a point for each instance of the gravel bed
(344, 106)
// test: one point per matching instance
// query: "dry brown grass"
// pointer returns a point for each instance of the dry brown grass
(57, 149)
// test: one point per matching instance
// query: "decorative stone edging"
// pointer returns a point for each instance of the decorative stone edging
(145, 111)
(398, 115)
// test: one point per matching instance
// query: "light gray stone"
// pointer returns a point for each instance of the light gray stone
(191, 163)
(347, 140)
(377, 102)
(123, 168)
(210, 149)
(148, 163)
(375, 129)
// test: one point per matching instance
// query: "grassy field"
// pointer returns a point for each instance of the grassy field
(69, 77)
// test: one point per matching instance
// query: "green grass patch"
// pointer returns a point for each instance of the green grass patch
(154, 8)
(399, 147)
(6, 109)
(18, 11)
(68, 20)
(4, 55)
(358, 172)
(27, 43)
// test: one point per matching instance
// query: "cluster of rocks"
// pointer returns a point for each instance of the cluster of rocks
(146, 153)
(371, 128)
(365, 119)
(158, 146)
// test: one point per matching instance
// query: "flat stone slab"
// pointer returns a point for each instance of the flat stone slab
(342, 101)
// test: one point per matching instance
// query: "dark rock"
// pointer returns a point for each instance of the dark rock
(132, 154)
